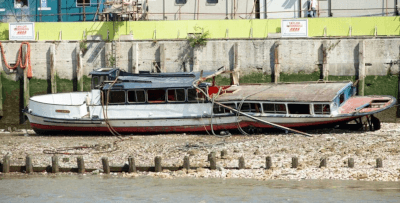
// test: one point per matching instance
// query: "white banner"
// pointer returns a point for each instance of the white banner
(22, 31)
(294, 28)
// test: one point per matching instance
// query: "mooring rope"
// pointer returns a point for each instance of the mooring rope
(19, 59)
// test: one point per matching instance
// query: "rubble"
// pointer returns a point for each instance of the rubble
(334, 144)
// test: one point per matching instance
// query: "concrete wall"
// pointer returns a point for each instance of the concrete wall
(297, 56)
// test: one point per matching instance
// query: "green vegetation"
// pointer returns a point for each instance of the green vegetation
(300, 77)
(37, 87)
(255, 77)
(199, 38)
(341, 78)
(381, 85)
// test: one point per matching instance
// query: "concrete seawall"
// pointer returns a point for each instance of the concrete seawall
(299, 59)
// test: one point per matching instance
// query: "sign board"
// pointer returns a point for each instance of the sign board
(294, 28)
(22, 31)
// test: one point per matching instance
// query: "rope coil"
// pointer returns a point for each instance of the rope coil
(19, 59)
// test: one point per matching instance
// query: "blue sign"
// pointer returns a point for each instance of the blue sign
(43, 3)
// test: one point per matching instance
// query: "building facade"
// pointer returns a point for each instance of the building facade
(49, 10)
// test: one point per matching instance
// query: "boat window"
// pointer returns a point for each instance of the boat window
(136, 96)
(251, 107)
(176, 95)
(95, 82)
(156, 96)
(341, 99)
(196, 96)
(219, 109)
(274, 108)
(116, 97)
(322, 109)
(299, 108)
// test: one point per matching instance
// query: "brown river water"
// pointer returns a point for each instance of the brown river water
(97, 188)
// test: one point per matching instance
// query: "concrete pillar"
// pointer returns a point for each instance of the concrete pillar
(162, 58)
(135, 58)
(79, 69)
(53, 71)
(361, 68)
(236, 65)
(325, 64)
(277, 68)
(108, 54)
(196, 63)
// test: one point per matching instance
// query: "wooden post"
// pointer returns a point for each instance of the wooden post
(6, 164)
(295, 162)
(350, 163)
(210, 155)
(79, 69)
(186, 163)
(157, 162)
(106, 166)
(277, 68)
(379, 163)
(162, 58)
(224, 154)
(28, 165)
(323, 162)
(81, 164)
(132, 167)
(108, 54)
(325, 65)
(398, 84)
(361, 68)
(241, 163)
(135, 58)
(213, 163)
(1, 96)
(53, 71)
(236, 65)
(268, 162)
(26, 80)
(54, 164)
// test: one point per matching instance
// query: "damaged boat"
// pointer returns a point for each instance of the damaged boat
(122, 102)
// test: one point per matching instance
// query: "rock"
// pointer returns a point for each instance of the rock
(257, 152)
(65, 159)
(193, 152)
(358, 152)
(236, 150)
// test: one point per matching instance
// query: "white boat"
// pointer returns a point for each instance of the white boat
(174, 102)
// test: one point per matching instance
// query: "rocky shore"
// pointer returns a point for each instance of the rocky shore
(336, 145)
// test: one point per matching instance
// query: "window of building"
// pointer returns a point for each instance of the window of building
(274, 108)
(322, 109)
(212, 1)
(21, 3)
(136, 96)
(180, 1)
(196, 96)
(299, 108)
(219, 109)
(116, 97)
(156, 96)
(176, 95)
(79, 3)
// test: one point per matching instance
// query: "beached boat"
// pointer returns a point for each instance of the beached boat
(184, 102)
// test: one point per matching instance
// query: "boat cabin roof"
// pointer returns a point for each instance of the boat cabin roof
(287, 92)
(147, 80)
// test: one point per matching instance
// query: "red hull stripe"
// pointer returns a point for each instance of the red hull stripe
(176, 128)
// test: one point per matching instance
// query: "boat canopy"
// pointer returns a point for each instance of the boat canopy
(147, 80)
(293, 92)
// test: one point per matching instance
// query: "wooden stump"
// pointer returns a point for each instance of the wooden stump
(54, 164)
(350, 163)
(224, 153)
(28, 166)
(6, 164)
(213, 163)
(106, 166)
(241, 163)
(295, 162)
(379, 163)
(186, 163)
(268, 162)
(157, 162)
(132, 167)
(81, 164)
(323, 162)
